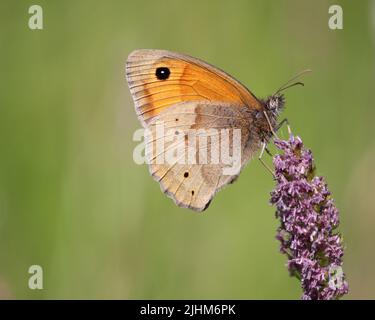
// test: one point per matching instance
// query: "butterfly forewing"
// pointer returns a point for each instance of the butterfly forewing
(185, 79)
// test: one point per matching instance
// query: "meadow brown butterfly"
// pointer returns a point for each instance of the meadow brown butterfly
(193, 100)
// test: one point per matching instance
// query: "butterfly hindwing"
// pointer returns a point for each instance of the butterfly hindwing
(191, 177)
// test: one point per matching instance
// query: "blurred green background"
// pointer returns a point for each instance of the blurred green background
(73, 201)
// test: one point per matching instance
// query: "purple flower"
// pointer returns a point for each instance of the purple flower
(308, 218)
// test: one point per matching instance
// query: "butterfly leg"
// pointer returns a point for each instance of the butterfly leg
(264, 148)
(282, 123)
(268, 151)
(270, 125)
(264, 144)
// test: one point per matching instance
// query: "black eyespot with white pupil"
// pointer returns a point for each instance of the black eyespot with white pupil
(162, 73)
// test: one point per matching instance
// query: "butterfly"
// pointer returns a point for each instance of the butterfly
(187, 96)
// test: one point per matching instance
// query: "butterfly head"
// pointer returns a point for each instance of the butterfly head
(274, 104)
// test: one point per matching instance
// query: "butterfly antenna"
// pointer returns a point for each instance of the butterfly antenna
(287, 84)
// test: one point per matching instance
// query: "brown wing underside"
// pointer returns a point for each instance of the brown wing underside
(192, 184)
(195, 95)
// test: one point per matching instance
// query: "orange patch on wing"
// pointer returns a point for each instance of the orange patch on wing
(187, 81)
